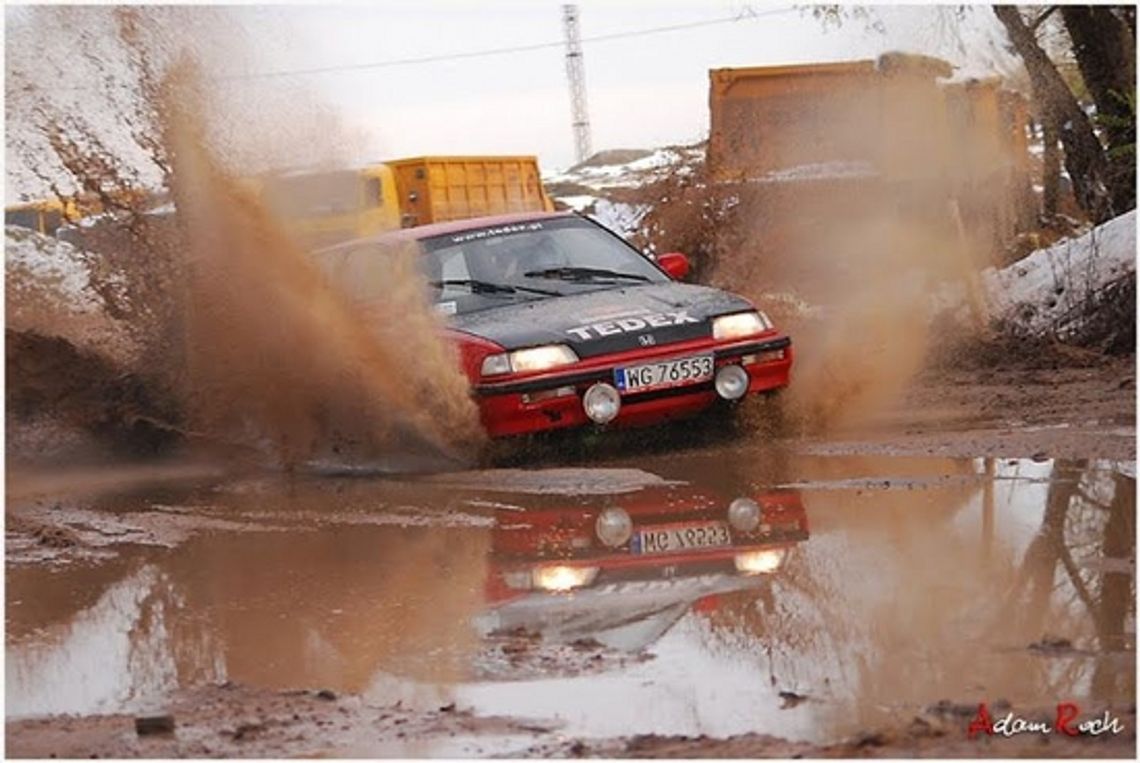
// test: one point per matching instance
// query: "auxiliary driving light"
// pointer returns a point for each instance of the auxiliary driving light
(744, 514)
(614, 526)
(759, 562)
(602, 403)
(731, 382)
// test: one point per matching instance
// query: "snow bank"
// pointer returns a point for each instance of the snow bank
(646, 169)
(1040, 291)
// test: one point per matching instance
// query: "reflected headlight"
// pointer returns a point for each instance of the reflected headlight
(614, 526)
(744, 514)
(560, 577)
(531, 359)
(518, 579)
(740, 325)
(757, 562)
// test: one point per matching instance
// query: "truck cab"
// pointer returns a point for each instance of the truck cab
(327, 207)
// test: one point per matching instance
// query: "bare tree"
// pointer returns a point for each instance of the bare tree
(1084, 155)
(1105, 49)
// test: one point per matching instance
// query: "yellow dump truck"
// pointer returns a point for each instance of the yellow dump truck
(899, 129)
(327, 207)
(434, 189)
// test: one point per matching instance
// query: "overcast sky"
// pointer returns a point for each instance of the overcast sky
(642, 91)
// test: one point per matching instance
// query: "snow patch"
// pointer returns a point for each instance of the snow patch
(647, 169)
(1042, 289)
(1039, 292)
(51, 261)
(820, 171)
(578, 203)
(622, 219)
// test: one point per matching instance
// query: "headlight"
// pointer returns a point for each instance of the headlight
(542, 358)
(530, 359)
(759, 562)
(740, 325)
(493, 365)
(563, 577)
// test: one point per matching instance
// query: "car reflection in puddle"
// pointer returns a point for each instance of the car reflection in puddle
(621, 574)
(923, 579)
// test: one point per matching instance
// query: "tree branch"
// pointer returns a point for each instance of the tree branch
(1041, 19)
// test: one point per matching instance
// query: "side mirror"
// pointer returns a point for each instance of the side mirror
(675, 264)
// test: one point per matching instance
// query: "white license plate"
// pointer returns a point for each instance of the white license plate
(664, 373)
(659, 540)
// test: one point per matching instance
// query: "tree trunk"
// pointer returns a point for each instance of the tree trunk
(1084, 155)
(1105, 48)
(1051, 171)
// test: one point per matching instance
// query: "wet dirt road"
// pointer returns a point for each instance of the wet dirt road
(478, 613)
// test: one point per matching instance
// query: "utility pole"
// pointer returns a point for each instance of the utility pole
(576, 73)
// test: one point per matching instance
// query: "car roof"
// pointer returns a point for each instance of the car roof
(421, 232)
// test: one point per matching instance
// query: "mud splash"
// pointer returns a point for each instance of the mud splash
(238, 327)
(838, 209)
(272, 347)
(874, 336)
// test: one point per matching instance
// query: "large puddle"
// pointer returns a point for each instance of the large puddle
(846, 592)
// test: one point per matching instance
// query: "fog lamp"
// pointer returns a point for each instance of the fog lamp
(744, 514)
(601, 403)
(614, 527)
(731, 382)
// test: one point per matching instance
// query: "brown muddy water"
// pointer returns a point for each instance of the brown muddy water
(872, 589)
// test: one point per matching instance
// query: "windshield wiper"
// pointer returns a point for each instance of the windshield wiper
(583, 274)
(487, 287)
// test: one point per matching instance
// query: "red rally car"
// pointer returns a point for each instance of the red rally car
(560, 323)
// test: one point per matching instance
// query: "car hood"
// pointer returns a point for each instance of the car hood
(611, 320)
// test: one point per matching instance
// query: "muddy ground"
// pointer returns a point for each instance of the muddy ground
(1058, 411)
(976, 543)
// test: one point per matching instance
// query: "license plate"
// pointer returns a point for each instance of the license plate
(659, 540)
(664, 373)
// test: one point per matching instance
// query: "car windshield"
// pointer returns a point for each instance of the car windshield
(538, 259)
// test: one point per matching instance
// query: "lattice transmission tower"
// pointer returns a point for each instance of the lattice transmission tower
(576, 74)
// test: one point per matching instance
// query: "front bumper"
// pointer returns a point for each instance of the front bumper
(553, 400)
